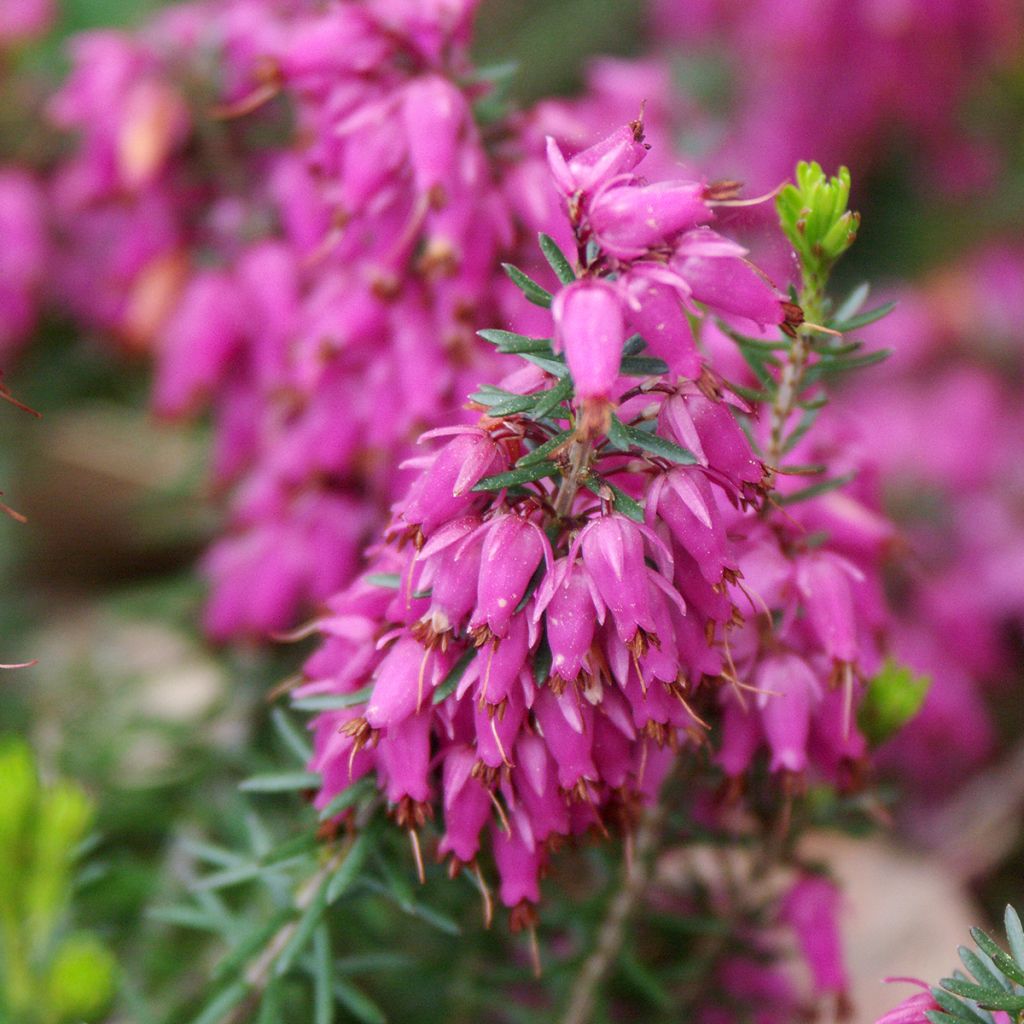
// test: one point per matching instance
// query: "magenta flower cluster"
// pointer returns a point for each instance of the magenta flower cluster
(301, 288)
(321, 294)
(575, 587)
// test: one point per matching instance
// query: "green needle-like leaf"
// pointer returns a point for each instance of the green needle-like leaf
(554, 365)
(387, 580)
(515, 344)
(534, 292)
(845, 326)
(625, 438)
(323, 994)
(292, 737)
(986, 997)
(623, 502)
(222, 1004)
(956, 1008)
(514, 477)
(554, 397)
(347, 798)
(643, 366)
(556, 259)
(633, 345)
(828, 367)
(546, 449)
(979, 967)
(1014, 934)
(255, 939)
(360, 1005)
(280, 782)
(348, 871)
(333, 701)
(448, 685)
(1001, 959)
(806, 493)
(300, 938)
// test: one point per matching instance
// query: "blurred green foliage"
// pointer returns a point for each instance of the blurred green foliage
(48, 973)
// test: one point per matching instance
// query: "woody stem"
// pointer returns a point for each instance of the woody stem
(791, 379)
(579, 464)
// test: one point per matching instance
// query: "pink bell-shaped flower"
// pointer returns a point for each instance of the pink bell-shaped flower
(511, 553)
(789, 692)
(590, 329)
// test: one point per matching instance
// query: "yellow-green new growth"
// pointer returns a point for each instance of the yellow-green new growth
(814, 217)
(47, 975)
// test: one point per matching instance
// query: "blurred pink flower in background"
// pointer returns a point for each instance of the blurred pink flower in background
(23, 20)
(873, 74)
(24, 256)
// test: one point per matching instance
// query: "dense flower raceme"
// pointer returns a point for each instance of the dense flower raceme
(366, 236)
(363, 243)
(366, 239)
(917, 63)
(575, 587)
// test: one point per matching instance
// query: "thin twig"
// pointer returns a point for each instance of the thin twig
(791, 379)
(636, 875)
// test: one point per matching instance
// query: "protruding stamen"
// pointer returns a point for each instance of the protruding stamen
(414, 839)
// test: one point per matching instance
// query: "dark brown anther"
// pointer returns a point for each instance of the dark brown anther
(636, 126)
(482, 635)
(709, 385)
(430, 637)
(793, 317)
(386, 287)
(361, 732)
(412, 814)
(642, 641)
(657, 732)
(523, 916)
(438, 260)
(487, 775)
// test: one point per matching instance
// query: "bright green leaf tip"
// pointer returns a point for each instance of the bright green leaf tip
(814, 216)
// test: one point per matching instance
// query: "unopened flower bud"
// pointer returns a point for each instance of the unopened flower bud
(590, 329)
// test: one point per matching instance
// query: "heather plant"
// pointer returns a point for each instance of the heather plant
(566, 446)
(625, 570)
